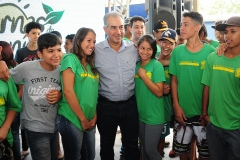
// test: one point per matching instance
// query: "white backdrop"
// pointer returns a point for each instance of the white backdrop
(65, 16)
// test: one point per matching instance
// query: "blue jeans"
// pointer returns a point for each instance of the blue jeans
(16, 141)
(223, 144)
(110, 116)
(73, 139)
(42, 145)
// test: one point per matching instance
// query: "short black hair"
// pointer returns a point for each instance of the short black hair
(196, 16)
(151, 41)
(136, 18)
(32, 25)
(47, 40)
(70, 37)
(204, 30)
(57, 33)
(178, 31)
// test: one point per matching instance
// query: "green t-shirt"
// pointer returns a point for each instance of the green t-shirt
(150, 107)
(222, 75)
(85, 88)
(126, 39)
(9, 100)
(167, 98)
(188, 68)
(214, 43)
(158, 51)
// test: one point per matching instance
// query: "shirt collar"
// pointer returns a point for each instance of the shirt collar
(106, 45)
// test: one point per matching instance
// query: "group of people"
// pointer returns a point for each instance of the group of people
(131, 80)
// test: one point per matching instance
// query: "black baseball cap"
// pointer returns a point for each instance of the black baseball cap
(160, 26)
(232, 21)
(170, 35)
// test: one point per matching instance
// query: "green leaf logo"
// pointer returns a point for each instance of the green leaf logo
(53, 17)
(47, 8)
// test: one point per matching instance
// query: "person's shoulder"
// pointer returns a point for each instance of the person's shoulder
(208, 46)
(156, 62)
(21, 49)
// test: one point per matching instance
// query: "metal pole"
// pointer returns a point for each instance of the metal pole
(150, 14)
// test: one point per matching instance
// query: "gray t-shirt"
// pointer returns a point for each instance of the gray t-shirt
(37, 114)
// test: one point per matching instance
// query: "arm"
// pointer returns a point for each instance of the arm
(4, 72)
(179, 114)
(53, 96)
(166, 89)
(68, 83)
(221, 49)
(205, 99)
(93, 121)
(156, 89)
(7, 124)
(20, 90)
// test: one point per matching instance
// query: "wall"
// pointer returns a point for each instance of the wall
(65, 16)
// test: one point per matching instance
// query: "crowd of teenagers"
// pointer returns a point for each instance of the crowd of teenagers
(142, 83)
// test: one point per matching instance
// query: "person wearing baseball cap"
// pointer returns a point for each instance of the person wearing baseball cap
(221, 102)
(158, 29)
(167, 43)
(127, 28)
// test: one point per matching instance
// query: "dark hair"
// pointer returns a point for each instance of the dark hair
(194, 16)
(33, 25)
(47, 40)
(178, 31)
(204, 30)
(70, 37)
(57, 33)
(136, 18)
(7, 54)
(152, 42)
(77, 50)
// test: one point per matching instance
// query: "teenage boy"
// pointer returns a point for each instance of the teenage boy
(29, 53)
(41, 92)
(167, 44)
(68, 42)
(137, 24)
(186, 66)
(203, 37)
(127, 35)
(221, 98)
(159, 27)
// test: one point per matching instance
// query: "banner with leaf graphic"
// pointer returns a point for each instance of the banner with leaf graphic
(63, 16)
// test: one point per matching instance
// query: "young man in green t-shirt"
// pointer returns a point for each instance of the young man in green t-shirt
(186, 66)
(221, 101)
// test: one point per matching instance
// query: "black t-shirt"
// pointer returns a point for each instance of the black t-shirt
(24, 54)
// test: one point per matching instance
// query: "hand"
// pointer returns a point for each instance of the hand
(221, 49)
(3, 133)
(53, 96)
(141, 72)
(166, 89)
(4, 72)
(206, 119)
(93, 122)
(85, 125)
(180, 116)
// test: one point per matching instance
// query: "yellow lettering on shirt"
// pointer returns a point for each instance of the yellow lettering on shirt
(89, 75)
(237, 74)
(149, 75)
(167, 74)
(223, 68)
(2, 101)
(188, 63)
(203, 64)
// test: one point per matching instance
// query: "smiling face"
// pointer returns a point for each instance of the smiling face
(33, 35)
(50, 57)
(114, 30)
(145, 51)
(137, 30)
(166, 47)
(88, 44)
